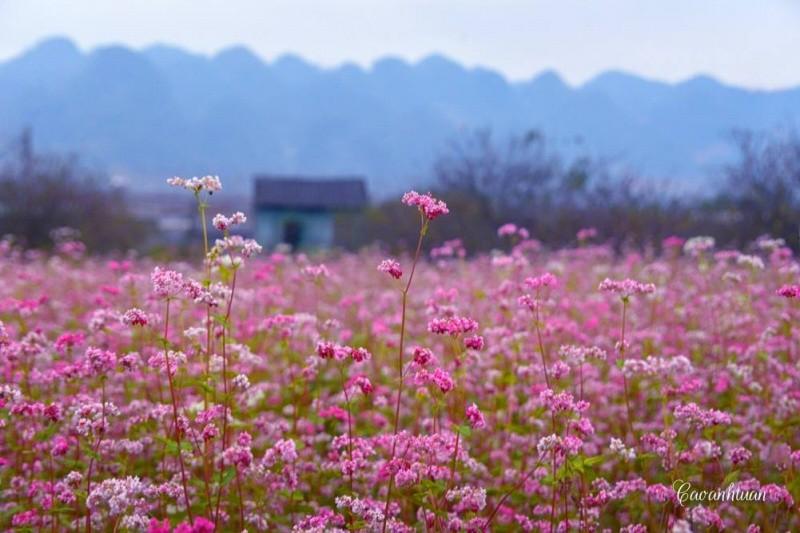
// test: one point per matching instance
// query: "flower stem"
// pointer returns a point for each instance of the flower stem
(423, 230)
(226, 402)
(175, 416)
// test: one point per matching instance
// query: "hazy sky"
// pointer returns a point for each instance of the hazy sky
(754, 43)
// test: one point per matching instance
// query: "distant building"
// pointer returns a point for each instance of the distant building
(300, 211)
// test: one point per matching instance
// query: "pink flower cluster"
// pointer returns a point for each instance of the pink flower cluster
(626, 287)
(391, 267)
(304, 393)
(452, 325)
(427, 204)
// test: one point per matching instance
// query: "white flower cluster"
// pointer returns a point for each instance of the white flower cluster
(618, 448)
(697, 245)
(206, 183)
(657, 366)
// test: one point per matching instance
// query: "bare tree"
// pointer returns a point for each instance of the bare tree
(44, 192)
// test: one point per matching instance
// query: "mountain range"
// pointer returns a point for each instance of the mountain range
(143, 115)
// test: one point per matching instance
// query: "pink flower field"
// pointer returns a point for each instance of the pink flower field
(528, 390)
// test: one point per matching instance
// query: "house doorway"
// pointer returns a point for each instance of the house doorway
(293, 233)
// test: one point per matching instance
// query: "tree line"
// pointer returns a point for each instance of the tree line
(490, 182)
(487, 181)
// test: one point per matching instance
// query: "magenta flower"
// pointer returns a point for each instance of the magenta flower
(166, 283)
(627, 287)
(453, 325)
(545, 280)
(427, 204)
(99, 362)
(422, 356)
(474, 342)
(585, 234)
(134, 317)
(475, 417)
(789, 291)
(158, 527)
(391, 267)
(506, 229)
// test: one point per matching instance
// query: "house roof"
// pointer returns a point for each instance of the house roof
(290, 192)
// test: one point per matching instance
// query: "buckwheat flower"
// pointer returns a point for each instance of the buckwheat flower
(238, 455)
(626, 287)
(167, 283)
(326, 350)
(167, 361)
(129, 361)
(527, 301)
(60, 447)
(422, 356)
(26, 518)
(391, 267)
(363, 383)
(199, 294)
(697, 245)
(751, 261)
(221, 222)
(699, 417)
(442, 379)
(251, 248)
(545, 280)
(734, 278)
(474, 342)
(316, 271)
(618, 448)
(467, 499)
(360, 355)
(586, 233)
(795, 456)
(561, 402)
(134, 317)
(506, 230)
(176, 182)
(99, 362)
(739, 455)
(69, 340)
(789, 291)
(475, 417)
(451, 248)
(673, 242)
(559, 369)
(427, 204)
(241, 382)
(211, 183)
(547, 444)
(200, 525)
(74, 478)
(453, 325)
(159, 527)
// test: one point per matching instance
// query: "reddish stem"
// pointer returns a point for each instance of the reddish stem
(423, 230)
(175, 416)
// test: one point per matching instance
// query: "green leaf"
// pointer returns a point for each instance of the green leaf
(732, 477)
(172, 446)
(91, 453)
(464, 430)
(228, 476)
(47, 433)
(592, 461)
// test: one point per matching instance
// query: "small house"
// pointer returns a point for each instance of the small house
(300, 211)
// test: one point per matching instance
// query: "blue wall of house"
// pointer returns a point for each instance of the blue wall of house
(315, 228)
